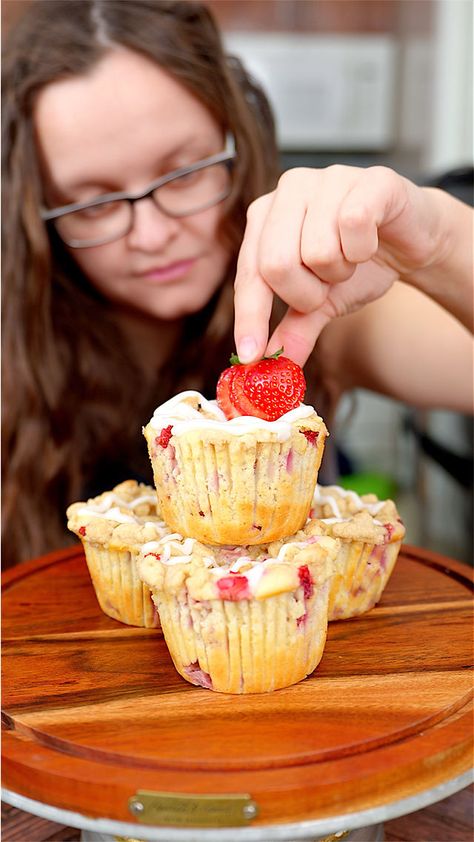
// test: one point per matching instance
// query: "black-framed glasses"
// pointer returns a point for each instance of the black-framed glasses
(182, 192)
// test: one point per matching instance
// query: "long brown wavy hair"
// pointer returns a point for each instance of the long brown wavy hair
(73, 399)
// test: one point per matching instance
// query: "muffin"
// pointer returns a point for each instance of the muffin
(370, 533)
(112, 527)
(242, 619)
(242, 481)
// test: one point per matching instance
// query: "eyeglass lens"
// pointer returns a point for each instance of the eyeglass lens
(181, 196)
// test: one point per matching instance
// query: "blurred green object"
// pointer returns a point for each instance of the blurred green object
(369, 482)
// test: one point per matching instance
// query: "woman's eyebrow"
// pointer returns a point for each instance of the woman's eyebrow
(68, 194)
(200, 148)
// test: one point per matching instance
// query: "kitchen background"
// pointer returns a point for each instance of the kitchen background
(364, 82)
(378, 82)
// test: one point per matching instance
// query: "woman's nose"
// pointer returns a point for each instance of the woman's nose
(152, 229)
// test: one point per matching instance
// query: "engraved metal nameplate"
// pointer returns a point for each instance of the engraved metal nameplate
(179, 808)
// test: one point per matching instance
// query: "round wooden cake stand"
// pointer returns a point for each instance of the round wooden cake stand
(102, 733)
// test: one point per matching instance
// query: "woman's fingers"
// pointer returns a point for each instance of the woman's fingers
(321, 248)
(270, 263)
(253, 298)
(304, 240)
(280, 259)
(377, 199)
(297, 334)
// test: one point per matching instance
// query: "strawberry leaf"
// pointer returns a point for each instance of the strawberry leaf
(234, 360)
(275, 355)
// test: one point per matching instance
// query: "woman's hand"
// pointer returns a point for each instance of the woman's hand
(327, 242)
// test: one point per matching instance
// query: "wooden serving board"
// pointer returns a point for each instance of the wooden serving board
(94, 711)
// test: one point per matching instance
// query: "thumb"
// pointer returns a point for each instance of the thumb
(297, 333)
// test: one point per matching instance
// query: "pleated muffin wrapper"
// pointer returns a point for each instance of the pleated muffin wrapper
(242, 619)
(112, 527)
(370, 532)
(232, 482)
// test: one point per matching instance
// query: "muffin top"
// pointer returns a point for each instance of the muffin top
(344, 514)
(189, 411)
(172, 563)
(125, 517)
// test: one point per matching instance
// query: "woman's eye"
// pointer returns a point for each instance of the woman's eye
(185, 180)
(95, 211)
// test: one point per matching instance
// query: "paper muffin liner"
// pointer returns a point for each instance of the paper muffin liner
(120, 592)
(112, 527)
(247, 646)
(242, 619)
(362, 573)
(237, 490)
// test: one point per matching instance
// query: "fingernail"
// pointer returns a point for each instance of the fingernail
(247, 349)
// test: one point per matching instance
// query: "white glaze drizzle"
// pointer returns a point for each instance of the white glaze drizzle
(322, 496)
(164, 547)
(112, 514)
(110, 498)
(240, 562)
(182, 414)
(168, 543)
(283, 551)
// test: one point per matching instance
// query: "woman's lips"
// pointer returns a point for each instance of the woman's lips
(161, 274)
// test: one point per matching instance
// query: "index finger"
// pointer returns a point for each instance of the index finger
(253, 298)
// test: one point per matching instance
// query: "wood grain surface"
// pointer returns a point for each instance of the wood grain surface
(87, 700)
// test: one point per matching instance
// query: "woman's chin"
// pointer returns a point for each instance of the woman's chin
(164, 311)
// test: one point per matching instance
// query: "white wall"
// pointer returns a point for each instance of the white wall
(449, 142)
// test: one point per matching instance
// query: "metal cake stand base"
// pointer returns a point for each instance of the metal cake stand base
(374, 833)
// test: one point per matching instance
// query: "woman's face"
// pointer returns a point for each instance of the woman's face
(121, 127)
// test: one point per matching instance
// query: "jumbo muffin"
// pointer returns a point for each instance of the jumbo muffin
(238, 481)
(112, 527)
(242, 619)
(370, 532)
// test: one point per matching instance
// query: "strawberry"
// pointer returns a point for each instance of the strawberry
(311, 436)
(389, 528)
(306, 581)
(223, 392)
(266, 389)
(238, 398)
(163, 439)
(233, 588)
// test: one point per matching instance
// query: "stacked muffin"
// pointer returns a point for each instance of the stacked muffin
(241, 615)
(113, 527)
(370, 532)
(239, 481)
(244, 557)
(243, 619)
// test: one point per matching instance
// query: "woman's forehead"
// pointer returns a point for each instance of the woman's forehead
(126, 113)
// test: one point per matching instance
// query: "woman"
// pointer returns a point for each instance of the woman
(118, 278)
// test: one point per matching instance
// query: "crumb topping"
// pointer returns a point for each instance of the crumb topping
(344, 514)
(234, 573)
(125, 517)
